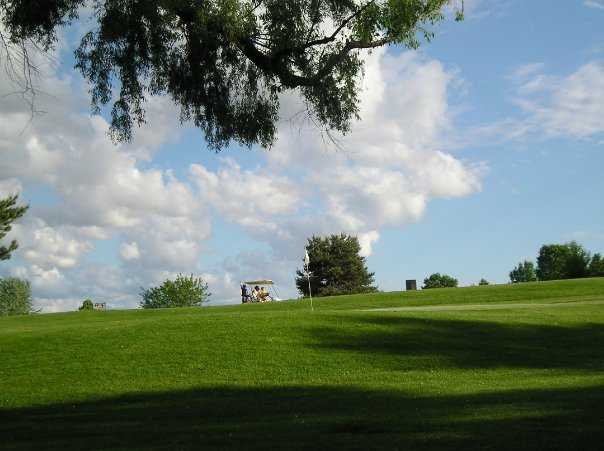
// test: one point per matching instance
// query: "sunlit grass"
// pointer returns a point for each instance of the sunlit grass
(283, 376)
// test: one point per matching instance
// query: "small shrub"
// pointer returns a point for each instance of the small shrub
(182, 292)
(438, 280)
(483, 282)
(15, 297)
(87, 305)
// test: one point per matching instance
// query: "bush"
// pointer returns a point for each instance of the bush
(87, 305)
(483, 282)
(15, 297)
(182, 292)
(438, 280)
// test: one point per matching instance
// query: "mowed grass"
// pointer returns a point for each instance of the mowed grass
(280, 376)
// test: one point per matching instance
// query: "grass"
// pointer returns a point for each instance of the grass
(278, 376)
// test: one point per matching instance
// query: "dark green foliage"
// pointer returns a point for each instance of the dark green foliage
(483, 282)
(438, 280)
(335, 267)
(15, 297)
(224, 63)
(524, 272)
(596, 266)
(182, 292)
(9, 212)
(87, 305)
(562, 261)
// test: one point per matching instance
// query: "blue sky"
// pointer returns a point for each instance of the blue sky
(471, 153)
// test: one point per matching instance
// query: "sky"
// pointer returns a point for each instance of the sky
(470, 154)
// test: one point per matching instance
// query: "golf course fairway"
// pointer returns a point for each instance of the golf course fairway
(492, 367)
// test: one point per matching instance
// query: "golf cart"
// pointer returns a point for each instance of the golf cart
(261, 290)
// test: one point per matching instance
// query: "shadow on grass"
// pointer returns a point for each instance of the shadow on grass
(465, 344)
(313, 418)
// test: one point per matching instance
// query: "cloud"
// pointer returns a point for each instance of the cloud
(9, 187)
(571, 106)
(366, 241)
(597, 4)
(388, 168)
(48, 247)
(242, 195)
(129, 251)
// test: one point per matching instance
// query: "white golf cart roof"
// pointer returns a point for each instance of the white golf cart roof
(259, 282)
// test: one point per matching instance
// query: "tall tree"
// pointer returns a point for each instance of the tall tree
(224, 62)
(335, 267)
(9, 212)
(524, 272)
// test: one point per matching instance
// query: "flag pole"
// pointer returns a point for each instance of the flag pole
(307, 268)
(309, 292)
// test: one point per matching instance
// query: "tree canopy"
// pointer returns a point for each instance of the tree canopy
(563, 261)
(224, 62)
(335, 267)
(9, 212)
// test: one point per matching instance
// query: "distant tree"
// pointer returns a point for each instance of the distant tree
(562, 261)
(577, 261)
(9, 212)
(483, 282)
(182, 292)
(15, 297)
(551, 262)
(524, 272)
(87, 305)
(596, 266)
(438, 280)
(335, 267)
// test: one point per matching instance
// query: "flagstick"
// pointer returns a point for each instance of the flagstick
(309, 292)
(307, 269)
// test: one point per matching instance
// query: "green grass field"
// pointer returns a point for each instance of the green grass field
(497, 367)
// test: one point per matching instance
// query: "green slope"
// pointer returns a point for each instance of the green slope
(280, 376)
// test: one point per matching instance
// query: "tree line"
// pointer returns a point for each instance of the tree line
(559, 261)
